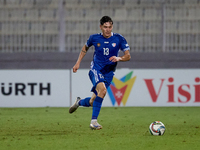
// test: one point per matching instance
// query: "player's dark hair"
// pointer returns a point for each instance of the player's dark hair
(105, 19)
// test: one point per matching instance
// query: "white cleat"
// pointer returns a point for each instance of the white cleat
(75, 105)
(95, 125)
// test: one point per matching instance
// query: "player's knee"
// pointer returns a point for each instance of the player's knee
(102, 92)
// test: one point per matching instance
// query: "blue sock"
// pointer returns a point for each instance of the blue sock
(85, 102)
(96, 107)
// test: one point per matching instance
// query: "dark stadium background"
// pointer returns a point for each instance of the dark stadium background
(48, 34)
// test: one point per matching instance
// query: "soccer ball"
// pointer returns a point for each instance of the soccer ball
(157, 128)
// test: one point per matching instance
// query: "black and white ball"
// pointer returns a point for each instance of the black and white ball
(157, 128)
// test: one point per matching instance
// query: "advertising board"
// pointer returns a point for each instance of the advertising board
(34, 88)
(130, 87)
(146, 87)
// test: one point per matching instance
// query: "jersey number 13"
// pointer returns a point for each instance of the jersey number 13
(106, 51)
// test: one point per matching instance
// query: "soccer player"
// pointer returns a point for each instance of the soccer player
(107, 45)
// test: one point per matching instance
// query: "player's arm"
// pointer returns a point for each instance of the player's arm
(125, 57)
(81, 55)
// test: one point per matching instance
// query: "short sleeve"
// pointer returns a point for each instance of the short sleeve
(123, 44)
(89, 41)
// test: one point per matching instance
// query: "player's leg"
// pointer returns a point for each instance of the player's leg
(81, 102)
(86, 102)
(92, 99)
(100, 85)
(97, 103)
(101, 90)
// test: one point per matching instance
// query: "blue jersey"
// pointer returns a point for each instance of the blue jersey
(106, 48)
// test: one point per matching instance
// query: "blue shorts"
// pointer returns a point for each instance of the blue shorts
(96, 76)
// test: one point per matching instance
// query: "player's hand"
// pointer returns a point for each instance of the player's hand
(115, 59)
(75, 68)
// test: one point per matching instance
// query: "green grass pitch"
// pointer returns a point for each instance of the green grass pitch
(124, 128)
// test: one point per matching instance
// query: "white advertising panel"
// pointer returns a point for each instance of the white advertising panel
(130, 87)
(34, 88)
(81, 84)
(145, 87)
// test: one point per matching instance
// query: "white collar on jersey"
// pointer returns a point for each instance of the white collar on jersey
(111, 33)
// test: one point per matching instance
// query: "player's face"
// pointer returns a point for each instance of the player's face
(106, 29)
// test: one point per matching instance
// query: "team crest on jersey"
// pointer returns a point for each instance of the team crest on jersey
(98, 44)
(113, 44)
